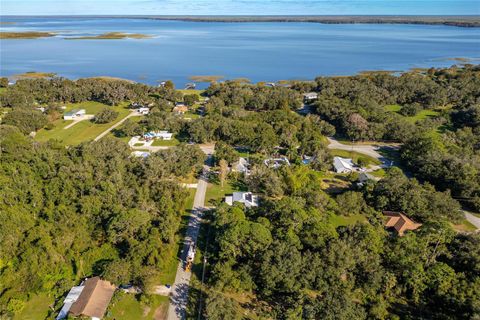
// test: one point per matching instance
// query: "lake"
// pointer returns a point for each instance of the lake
(257, 51)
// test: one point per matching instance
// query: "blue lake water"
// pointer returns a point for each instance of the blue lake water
(258, 51)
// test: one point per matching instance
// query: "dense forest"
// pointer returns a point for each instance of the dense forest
(69, 213)
(92, 209)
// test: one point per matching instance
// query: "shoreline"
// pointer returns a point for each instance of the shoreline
(472, 21)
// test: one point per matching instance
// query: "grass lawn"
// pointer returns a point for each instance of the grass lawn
(393, 108)
(464, 226)
(129, 308)
(84, 130)
(192, 91)
(354, 156)
(165, 143)
(217, 193)
(338, 221)
(36, 308)
(422, 115)
(380, 173)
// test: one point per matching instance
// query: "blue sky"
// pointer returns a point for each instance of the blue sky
(238, 7)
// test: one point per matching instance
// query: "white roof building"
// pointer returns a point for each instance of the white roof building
(165, 135)
(241, 166)
(343, 165)
(140, 154)
(72, 115)
(143, 110)
(72, 296)
(247, 198)
(310, 96)
(276, 163)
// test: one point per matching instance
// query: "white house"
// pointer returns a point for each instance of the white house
(72, 296)
(143, 110)
(343, 165)
(140, 154)
(241, 166)
(307, 97)
(247, 198)
(276, 163)
(164, 135)
(74, 114)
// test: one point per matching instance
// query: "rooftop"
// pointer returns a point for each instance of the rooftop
(94, 299)
(400, 222)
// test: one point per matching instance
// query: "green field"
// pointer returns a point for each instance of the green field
(84, 130)
(393, 108)
(129, 308)
(338, 221)
(422, 115)
(165, 143)
(35, 308)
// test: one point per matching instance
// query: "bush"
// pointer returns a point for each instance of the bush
(105, 116)
(190, 99)
(409, 110)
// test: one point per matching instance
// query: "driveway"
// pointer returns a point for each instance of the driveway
(77, 120)
(104, 133)
(473, 219)
(179, 293)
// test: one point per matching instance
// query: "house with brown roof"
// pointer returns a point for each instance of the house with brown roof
(180, 109)
(400, 222)
(93, 299)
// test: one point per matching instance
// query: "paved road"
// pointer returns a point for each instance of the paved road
(179, 296)
(103, 134)
(472, 219)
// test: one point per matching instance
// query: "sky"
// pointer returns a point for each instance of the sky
(239, 7)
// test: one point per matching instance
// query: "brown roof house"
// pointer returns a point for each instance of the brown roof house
(180, 109)
(400, 222)
(94, 298)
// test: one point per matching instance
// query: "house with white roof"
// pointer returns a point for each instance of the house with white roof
(276, 163)
(247, 198)
(74, 114)
(308, 97)
(343, 165)
(164, 135)
(242, 166)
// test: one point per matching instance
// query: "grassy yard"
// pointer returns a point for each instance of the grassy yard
(393, 108)
(36, 308)
(215, 192)
(192, 91)
(338, 221)
(355, 156)
(464, 226)
(422, 115)
(127, 307)
(84, 130)
(165, 143)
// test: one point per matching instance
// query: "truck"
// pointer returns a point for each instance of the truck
(190, 257)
